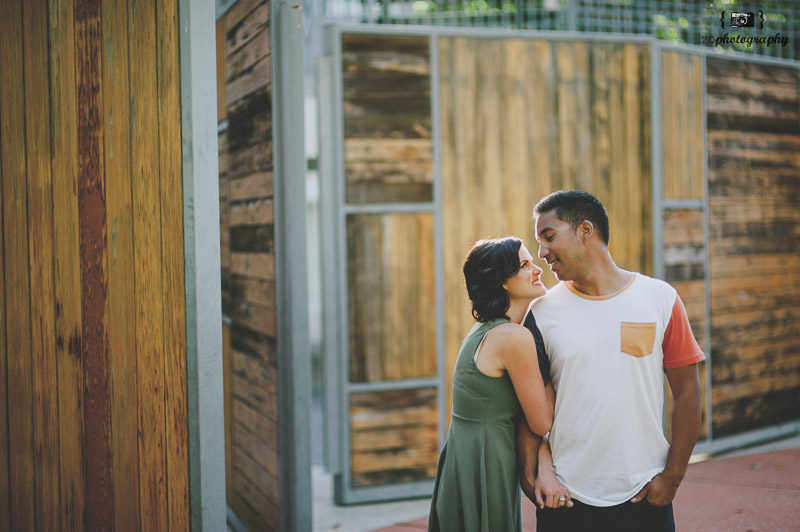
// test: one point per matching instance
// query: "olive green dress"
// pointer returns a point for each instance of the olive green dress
(476, 488)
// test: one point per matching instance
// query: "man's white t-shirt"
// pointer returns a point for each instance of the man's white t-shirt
(607, 357)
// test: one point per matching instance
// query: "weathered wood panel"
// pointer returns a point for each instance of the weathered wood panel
(93, 227)
(391, 297)
(20, 454)
(754, 161)
(387, 118)
(684, 261)
(523, 118)
(682, 125)
(247, 245)
(393, 436)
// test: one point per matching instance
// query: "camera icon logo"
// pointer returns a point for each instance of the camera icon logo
(742, 20)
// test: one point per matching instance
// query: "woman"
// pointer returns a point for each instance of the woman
(496, 377)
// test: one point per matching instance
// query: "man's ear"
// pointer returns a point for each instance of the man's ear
(586, 229)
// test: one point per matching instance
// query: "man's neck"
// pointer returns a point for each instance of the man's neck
(602, 280)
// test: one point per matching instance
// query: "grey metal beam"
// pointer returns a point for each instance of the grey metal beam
(707, 252)
(657, 160)
(294, 352)
(674, 204)
(438, 239)
(205, 412)
(402, 384)
(387, 208)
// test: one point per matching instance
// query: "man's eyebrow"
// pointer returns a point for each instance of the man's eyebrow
(545, 229)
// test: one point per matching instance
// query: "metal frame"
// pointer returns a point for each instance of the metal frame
(338, 384)
(294, 352)
(338, 388)
(204, 382)
(597, 16)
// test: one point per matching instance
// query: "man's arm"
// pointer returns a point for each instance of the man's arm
(685, 385)
(527, 451)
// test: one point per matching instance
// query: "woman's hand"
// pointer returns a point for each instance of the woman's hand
(550, 492)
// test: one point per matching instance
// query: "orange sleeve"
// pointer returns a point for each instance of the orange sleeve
(679, 345)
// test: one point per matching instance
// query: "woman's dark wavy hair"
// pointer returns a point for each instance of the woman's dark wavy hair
(487, 266)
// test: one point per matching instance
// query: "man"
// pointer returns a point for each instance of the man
(610, 335)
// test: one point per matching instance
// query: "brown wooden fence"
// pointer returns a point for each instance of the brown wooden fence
(508, 120)
(248, 264)
(92, 336)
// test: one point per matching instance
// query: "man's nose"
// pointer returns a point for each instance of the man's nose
(542, 251)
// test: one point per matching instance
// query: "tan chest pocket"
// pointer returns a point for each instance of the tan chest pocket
(637, 338)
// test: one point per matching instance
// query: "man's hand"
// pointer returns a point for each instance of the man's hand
(550, 493)
(660, 491)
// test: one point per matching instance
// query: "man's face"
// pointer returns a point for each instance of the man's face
(560, 246)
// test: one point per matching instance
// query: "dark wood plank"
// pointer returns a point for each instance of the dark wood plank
(16, 257)
(40, 237)
(67, 278)
(91, 201)
(5, 513)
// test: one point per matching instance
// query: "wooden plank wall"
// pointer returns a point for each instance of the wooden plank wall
(394, 436)
(685, 267)
(754, 193)
(93, 432)
(248, 263)
(387, 119)
(523, 118)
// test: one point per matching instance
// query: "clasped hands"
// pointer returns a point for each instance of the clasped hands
(549, 492)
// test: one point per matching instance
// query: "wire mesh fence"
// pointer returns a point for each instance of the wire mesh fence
(770, 28)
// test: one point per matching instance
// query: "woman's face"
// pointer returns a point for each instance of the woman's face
(527, 282)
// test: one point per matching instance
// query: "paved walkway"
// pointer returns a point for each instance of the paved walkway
(751, 493)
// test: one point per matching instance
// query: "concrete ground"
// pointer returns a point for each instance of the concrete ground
(750, 490)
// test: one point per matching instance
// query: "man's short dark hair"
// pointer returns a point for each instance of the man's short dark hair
(573, 207)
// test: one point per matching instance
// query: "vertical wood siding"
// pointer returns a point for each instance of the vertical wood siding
(391, 297)
(523, 118)
(682, 125)
(94, 434)
(754, 192)
(248, 263)
(19, 413)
